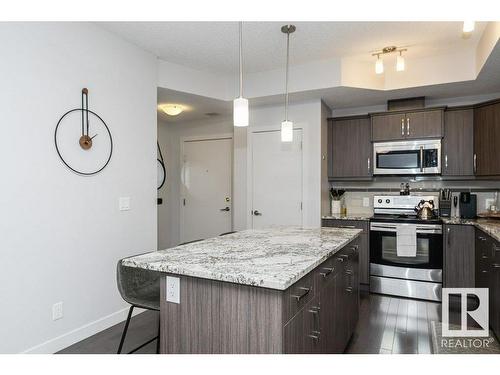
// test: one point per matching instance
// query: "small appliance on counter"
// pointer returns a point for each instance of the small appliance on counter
(468, 205)
(445, 203)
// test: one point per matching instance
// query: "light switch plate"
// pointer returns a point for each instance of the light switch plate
(488, 202)
(173, 291)
(124, 203)
(57, 311)
(366, 202)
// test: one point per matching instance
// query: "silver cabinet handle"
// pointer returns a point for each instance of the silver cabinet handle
(298, 297)
(348, 272)
(448, 230)
(368, 164)
(446, 161)
(314, 335)
(328, 271)
(495, 265)
(402, 127)
(225, 209)
(481, 238)
(407, 126)
(348, 289)
(257, 213)
(475, 163)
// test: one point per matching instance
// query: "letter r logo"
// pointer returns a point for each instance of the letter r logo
(480, 315)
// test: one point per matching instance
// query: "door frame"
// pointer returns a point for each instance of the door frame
(267, 129)
(200, 138)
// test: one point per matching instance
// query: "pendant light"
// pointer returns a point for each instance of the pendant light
(400, 62)
(287, 126)
(240, 104)
(379, 65)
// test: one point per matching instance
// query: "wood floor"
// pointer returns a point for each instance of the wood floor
(386, 325)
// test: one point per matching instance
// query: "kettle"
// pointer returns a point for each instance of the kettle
(425, 209)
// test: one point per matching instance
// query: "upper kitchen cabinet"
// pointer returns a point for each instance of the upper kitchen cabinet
(349, 147)
(414, 124)
(458, 142)
(487, 139)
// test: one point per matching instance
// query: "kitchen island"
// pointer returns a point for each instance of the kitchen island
(279, 290)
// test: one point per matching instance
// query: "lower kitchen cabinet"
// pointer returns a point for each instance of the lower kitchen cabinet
(488, 274)
(327, 321)
(364, 246)
(458, 256)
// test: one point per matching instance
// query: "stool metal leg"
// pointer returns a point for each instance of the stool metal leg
(125, 329)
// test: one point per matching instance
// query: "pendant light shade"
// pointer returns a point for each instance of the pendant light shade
(287, 126)
(400, 63)
(240, 104)
(287, 131)
(240, 112)
(379, 66)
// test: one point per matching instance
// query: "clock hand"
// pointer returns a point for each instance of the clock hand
(94, 136)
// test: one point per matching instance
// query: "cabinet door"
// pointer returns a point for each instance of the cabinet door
(329, 314)
(459, 256)
(350, 148)
(352, 273)
(458, 143)
(483, 259)
(495, 292)
(301, 335)
(388, 127)
(487, 140)
(424, 124)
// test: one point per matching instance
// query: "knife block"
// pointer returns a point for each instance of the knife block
(445, 208)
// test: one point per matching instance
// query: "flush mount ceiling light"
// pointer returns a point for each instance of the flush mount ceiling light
(171, 109)
(468, 28)
(400, 61)
(240, 104)
(287, 126)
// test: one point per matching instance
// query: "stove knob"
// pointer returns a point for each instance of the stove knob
(387, 201)
(380, 201)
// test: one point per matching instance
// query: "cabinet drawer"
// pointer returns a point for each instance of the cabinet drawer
(326, 272)
(297, 296)
(340, 223)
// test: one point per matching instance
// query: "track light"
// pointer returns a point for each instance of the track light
(379, 65)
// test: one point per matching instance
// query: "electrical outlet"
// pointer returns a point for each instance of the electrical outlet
(57, 311)
(488, 203)
(173, 289)
(124, 203)
(366, 202)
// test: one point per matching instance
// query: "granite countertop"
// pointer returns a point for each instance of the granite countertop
(349, 217)
(271, 258)
(489, 226)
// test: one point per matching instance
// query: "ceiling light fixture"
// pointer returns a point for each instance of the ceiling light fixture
(287, 126)
(468, 28)
(240, 104)
(171, 109)
(400, 61)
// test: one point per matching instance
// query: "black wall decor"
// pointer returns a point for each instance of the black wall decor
(162, 172)
(85, 140)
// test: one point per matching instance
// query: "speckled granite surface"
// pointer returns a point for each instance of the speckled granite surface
(489, 226)
(272, 258)
(349, 217)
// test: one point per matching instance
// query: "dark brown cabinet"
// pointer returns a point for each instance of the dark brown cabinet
(487, 139)
(458, 143)
(349, 147)
(364, 246)
(326, 322)
(488, 274)
(459, 256)
(407, 125)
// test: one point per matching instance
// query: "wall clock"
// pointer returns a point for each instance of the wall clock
(161, 171)
(83, 140)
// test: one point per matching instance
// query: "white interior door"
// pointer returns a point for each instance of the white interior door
(276, 180)
(206, 209)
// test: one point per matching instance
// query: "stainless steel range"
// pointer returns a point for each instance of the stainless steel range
(406, 252)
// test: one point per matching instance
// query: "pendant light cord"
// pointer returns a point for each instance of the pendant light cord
(286, 79)
(241, 59)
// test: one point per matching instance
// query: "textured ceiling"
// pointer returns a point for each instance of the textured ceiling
(213, 46)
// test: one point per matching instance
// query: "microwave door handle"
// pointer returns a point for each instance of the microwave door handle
(421, 158)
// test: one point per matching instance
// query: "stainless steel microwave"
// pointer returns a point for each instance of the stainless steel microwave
(407, 157)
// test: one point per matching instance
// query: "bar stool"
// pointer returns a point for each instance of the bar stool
(140, 288)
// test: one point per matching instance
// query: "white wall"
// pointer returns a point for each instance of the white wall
(62, 234)
(305, 115)
(170, 136)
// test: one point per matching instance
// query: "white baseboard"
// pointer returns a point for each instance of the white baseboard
(63, 341)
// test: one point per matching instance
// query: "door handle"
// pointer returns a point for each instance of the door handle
(448, 230)
(446, 161)
(475, 163)
(257, 213)
(225, 209)
(407, 126)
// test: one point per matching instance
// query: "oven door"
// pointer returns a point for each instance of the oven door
(407, 157)
(429, 252)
